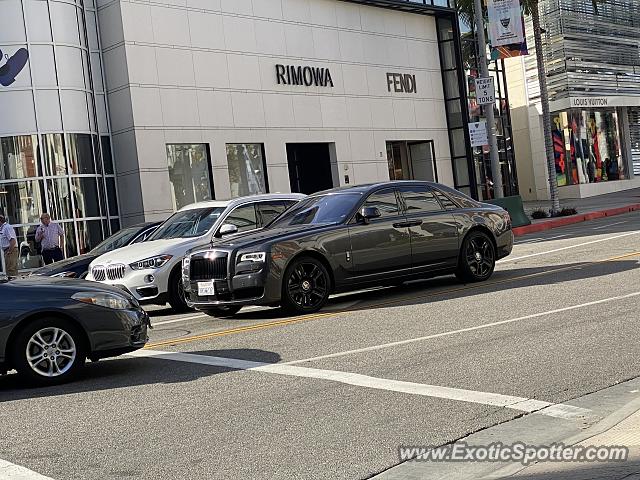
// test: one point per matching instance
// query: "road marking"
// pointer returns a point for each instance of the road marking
(521, 404)
(463, 330)
(317, 316)
(10, 471)
(609, 225)
(606, 239)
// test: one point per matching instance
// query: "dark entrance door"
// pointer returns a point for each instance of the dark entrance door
(309, 167)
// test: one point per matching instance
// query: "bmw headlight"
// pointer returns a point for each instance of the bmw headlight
(153, 262)
(103, 299)
(253, 257)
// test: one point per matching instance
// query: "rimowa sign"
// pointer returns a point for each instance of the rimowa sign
(303, 75)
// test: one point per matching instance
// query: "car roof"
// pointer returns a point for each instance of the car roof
(368, 187)
(240, 200)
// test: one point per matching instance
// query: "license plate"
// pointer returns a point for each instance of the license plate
(206, 289)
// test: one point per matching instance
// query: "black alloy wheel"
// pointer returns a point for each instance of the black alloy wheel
(306, 286)
(477, 258)
(223, 311)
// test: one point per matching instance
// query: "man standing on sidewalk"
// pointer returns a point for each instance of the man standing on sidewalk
(51, 238)
(9, 245)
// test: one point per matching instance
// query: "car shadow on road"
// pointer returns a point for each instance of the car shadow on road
(123, 372)
(450, 288)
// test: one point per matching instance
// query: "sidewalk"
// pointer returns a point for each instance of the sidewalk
(589, 208)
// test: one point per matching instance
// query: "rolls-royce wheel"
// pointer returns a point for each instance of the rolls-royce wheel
(306, 286)
(477, 258)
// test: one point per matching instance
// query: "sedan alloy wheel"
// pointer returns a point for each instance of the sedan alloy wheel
(306, 286)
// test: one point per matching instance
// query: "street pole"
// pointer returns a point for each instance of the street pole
(496, 170)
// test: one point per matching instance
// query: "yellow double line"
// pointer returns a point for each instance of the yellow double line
(316, 316)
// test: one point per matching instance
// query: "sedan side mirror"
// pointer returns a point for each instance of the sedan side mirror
(367, 213)
(227, 229)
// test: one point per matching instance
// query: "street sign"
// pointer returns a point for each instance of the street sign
(478, 134)
(485, 91)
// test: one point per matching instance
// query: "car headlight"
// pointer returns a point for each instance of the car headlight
(65, 275)
(103, 299)
(253, 257)
(153, 262)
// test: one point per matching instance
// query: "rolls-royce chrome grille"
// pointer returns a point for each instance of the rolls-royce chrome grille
(111, 272)
(208, 266)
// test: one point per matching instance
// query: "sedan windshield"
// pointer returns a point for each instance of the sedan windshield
(117, 240)
(188, 223)
(332, 208)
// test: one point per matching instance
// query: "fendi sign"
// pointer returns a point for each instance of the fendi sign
(402, 82)
(303, 75)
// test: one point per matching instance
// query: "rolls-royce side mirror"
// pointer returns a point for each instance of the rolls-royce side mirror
(227, 229)
(367, 213)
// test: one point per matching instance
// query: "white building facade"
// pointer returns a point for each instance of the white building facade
(203, 99)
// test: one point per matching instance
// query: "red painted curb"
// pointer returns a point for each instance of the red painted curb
(562, 221)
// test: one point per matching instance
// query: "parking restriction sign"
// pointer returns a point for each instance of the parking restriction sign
(485, 91)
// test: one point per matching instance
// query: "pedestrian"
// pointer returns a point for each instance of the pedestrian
(9, 245)
(51, 238)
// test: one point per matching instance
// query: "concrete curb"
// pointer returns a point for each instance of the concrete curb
(563, 221)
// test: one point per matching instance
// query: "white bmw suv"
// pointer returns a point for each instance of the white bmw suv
(151, 271)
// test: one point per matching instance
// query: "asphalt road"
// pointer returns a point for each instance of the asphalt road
(333, 395)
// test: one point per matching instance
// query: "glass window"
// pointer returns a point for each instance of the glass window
(54, 157)
(333, 208)
(454, 110)
(460, 196)
(188, 223)
(451, 87)
(112, 198)
(106, 155)
(445, 201)
(21, 202)
(96, 149)
(247, 169)
(189, 173)
(19, 157)
(457, 139)
(117, 240)
(420, 200)
(244, 218)
(385, 201)
(85, 195)
(448, 55)
(445, 29)
(89, 235)
(268, 211)
(29, 251)
(70, 247)
(80, 153)
(115, 225)
(59, 197)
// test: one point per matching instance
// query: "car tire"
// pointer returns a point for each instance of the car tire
(176, 295)
(477, 258)
(306, 286)
(222, 312)
(37, 354)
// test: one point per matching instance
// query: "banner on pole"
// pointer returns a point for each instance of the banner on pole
(505, 22)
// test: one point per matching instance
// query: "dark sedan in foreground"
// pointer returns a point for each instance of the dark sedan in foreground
(350, 238)
(78, 267)
(50, 326)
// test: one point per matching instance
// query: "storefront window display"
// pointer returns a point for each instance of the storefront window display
(586, 146)
(189, 174)
(247, 169)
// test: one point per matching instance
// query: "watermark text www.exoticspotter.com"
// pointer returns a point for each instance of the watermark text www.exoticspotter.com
(516, 452)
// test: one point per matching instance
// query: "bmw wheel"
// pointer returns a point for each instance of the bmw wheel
(306, 286)
(49, 351)
(477, 258)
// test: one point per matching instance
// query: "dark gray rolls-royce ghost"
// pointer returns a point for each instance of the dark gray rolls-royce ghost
(350, 238)
(50, 326)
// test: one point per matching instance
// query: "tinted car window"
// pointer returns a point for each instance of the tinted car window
(446, 201)
(332, 208)
(460, 198)
(385, 201)
(188, 223)
(420, 199)
(268, 211)
(145, 235)
(243, 217)
(117, 240)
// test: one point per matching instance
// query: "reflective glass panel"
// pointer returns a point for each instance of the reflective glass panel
(80, 153)
(59, 197)
(54, 157)
(85, 195)
(28, 250)
(89, 235)
(112, 197)
(189, 174)
(21, 202)
(19, 157)
(246, 169)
